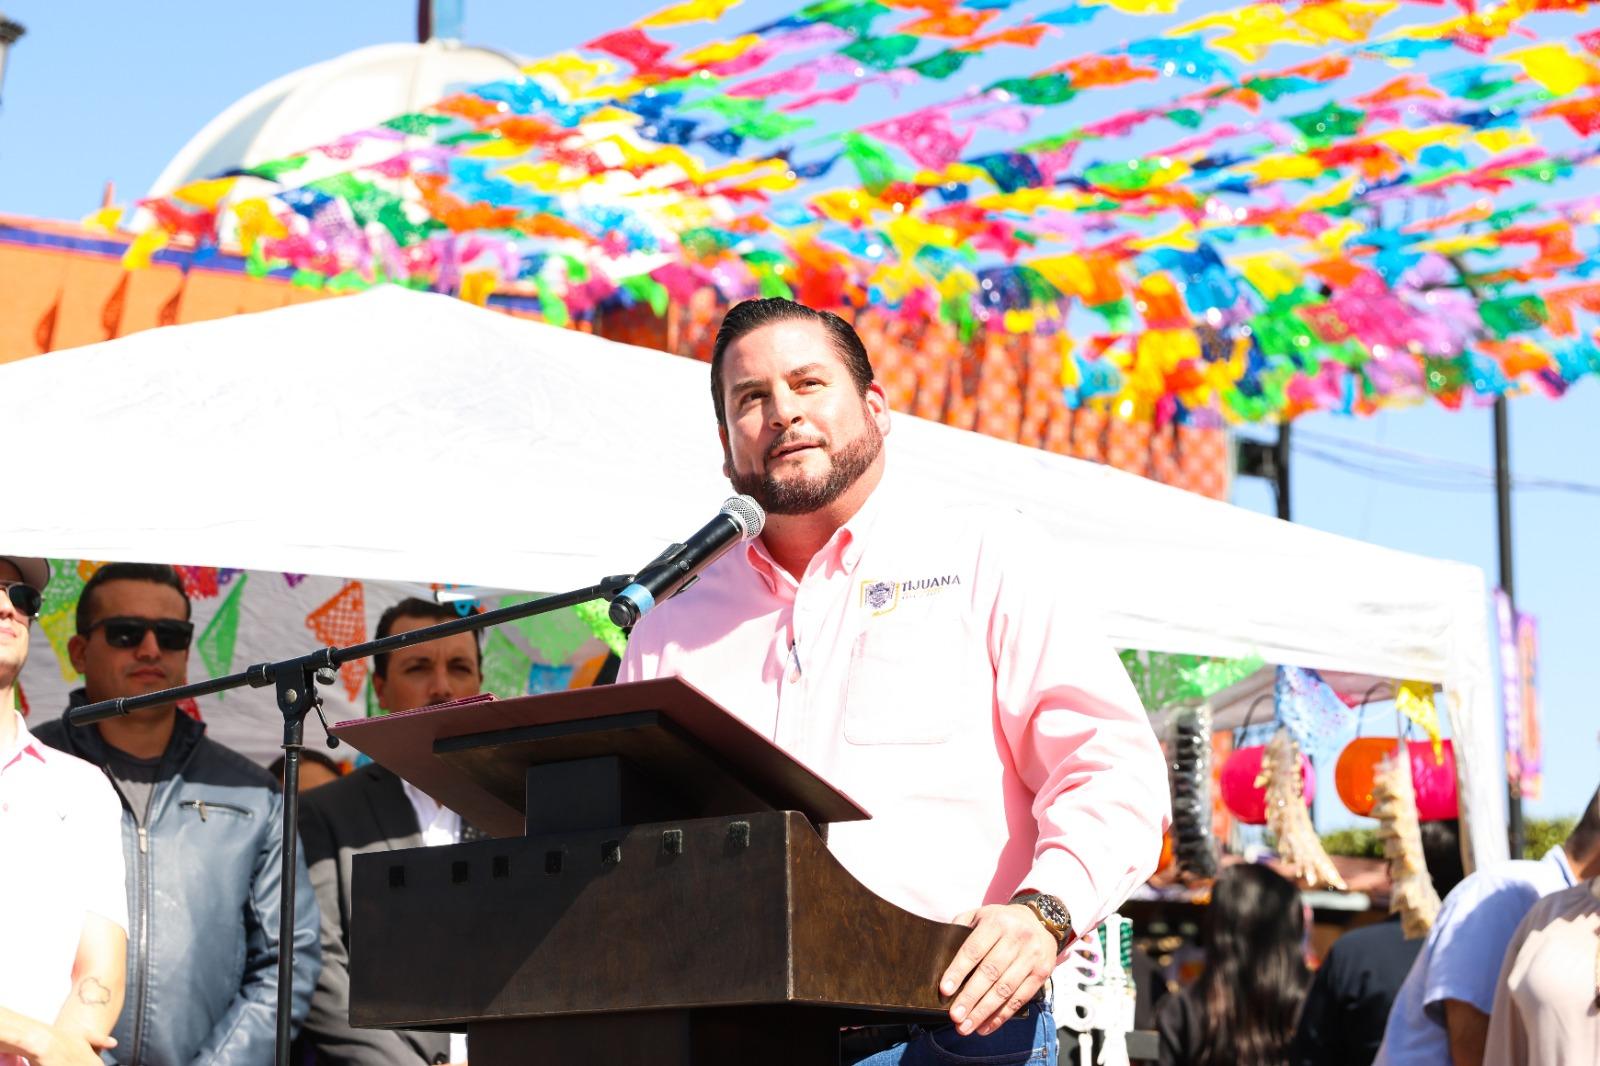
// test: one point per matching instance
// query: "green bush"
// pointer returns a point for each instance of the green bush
(1539, 836)
(1358, 843)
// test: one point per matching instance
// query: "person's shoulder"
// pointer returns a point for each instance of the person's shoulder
(1367, 938)
(73, 772)
(241, 771)
(346, 792)
(1494, 897)
(1579, 897)
(52, 733)
(1508, 880)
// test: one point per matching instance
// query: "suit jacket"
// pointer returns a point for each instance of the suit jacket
(363, 812)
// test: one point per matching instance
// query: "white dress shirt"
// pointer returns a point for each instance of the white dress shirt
(440, 825)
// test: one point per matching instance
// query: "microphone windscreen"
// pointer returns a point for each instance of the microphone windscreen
(747, 512)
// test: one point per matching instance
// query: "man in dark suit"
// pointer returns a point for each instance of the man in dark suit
(373, 810)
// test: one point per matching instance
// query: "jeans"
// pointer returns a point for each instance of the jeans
(1028, 1039)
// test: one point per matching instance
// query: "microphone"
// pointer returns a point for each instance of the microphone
(740, 519)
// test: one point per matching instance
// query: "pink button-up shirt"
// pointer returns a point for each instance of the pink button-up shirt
(935, 663)
(60, 859)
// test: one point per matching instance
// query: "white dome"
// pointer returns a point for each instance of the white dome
(325, 101)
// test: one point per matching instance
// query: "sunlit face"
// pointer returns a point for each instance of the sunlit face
(425, 674)
(799, 434)
(110, 672)
(13, 631)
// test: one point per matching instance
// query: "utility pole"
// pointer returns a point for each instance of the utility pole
(1502, 503)
(1280, 472)
(1270, 462)
(10, 33)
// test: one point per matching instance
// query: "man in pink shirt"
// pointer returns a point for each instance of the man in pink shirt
(932, 660)
(63, 913)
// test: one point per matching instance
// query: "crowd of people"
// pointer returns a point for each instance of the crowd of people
(906, 648)
(151, 934)
(1509, 973)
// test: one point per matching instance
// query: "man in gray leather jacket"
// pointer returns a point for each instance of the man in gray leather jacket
(201, 827)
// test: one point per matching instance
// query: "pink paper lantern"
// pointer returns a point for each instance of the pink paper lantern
(1434, 782)
(1240, 793)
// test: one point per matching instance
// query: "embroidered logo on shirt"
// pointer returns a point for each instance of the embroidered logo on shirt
(881, 597)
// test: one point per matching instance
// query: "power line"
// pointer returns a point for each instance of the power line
(1435, 472)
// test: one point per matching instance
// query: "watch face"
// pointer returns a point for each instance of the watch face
(1051, 908)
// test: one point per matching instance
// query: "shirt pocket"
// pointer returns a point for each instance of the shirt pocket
(904, 684)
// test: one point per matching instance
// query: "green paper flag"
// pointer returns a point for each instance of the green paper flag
(216, 643)
(644, 288)
(595, 615)
(416, 124)
(58, 611)
(1164, 679)
(1044, 89)
(1331, 121)
(942, 64)
(874, 164)
(881, 53)
(505, 667)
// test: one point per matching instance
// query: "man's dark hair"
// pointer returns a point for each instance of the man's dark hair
(745, 318)
(1441, 850)
(307, 755)
(414, 607)
(1584, 840)
(155, 573)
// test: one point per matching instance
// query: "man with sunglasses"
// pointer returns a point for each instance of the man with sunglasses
(63, 915)
(200, 830)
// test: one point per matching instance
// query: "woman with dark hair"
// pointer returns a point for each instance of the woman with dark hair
(1242, 1010)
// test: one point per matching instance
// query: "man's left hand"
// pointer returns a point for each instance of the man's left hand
(1005, 959)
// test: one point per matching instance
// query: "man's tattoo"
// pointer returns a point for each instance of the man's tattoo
(92, 993)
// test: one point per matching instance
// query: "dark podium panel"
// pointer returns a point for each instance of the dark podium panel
(672, 901)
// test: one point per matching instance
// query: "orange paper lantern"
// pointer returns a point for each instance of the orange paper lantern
(1434, 782)
(1357, 766)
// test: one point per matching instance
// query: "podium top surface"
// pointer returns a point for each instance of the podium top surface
(415, 745)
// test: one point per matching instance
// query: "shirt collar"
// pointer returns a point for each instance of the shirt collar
(1557, 856)
(846, 544)
(23, 744)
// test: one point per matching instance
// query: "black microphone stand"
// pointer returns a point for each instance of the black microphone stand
(296, 680)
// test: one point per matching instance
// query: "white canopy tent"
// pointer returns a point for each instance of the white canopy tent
(414, 438)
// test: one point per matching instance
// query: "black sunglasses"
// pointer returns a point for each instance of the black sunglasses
(24, 597)
(171, 634)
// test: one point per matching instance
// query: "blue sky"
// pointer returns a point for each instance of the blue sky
(101, 91)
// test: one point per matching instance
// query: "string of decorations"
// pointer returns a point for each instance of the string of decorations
(1258, 237)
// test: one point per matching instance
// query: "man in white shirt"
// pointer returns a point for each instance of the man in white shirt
(63, 910)
(369, 810)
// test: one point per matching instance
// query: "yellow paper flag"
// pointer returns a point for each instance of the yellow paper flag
(1415, 700)
(688, 11)
(207, 193)
(147, 244)
(477, 285)
(1555, 68)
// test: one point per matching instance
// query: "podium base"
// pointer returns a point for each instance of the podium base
(779, 1036)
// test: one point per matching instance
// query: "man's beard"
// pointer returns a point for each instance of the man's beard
(805, 495)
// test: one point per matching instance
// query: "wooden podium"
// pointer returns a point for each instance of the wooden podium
(659, 890)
